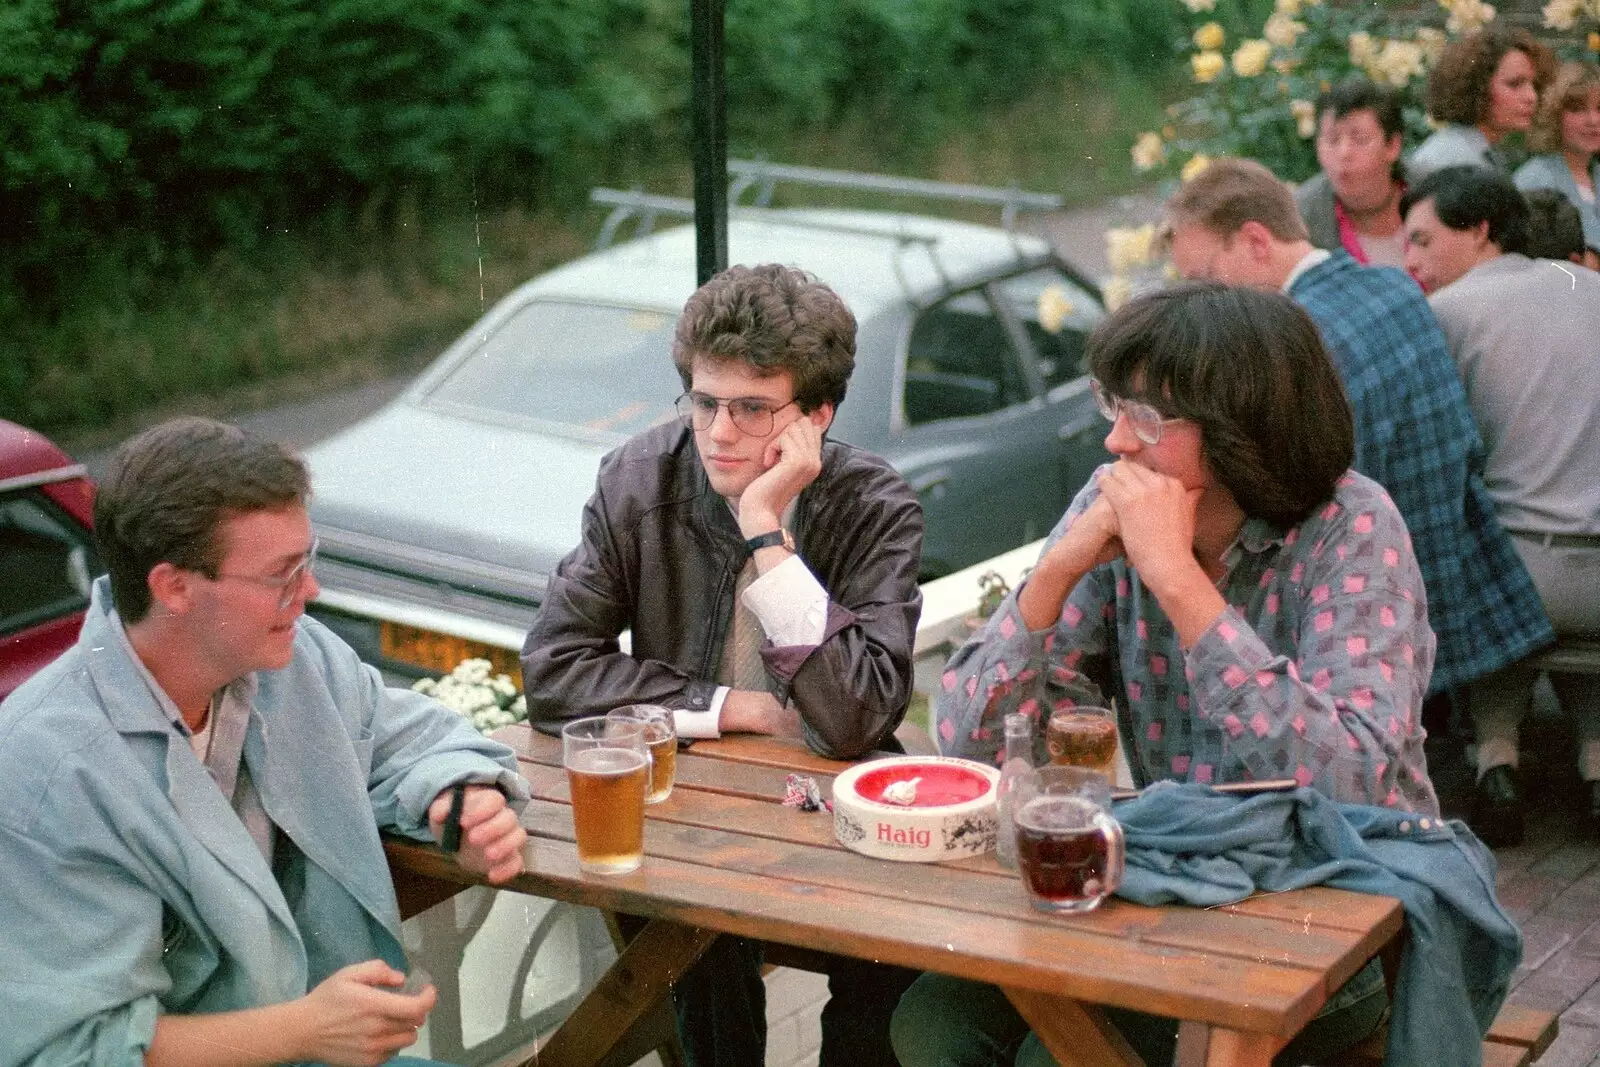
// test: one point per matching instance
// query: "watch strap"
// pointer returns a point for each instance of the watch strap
(780, 536)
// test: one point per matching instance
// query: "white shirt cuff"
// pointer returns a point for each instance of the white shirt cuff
(701, 725)
(791, 604)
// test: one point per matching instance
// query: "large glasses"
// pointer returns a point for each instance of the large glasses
(750, 414)
(288, 585)
(1145, 420)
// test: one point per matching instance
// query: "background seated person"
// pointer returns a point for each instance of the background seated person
(1484, 88)
(1250, 603)
(190, 797)
(1554, 229)
(1566, 133)
(1354, 203)
(1525, 334)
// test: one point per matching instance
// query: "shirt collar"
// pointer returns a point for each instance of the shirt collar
(1307, 261)
(243, 689)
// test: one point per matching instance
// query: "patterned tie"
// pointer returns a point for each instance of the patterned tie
(741, 666)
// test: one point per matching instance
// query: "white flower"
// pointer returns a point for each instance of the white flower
(1305, 117)
(1207, 65)
(1282, 30)
(1432, 42)
(1361, 48)
(1467, 16)
(1398, 63)
(1128, 248)
(1199, 6)
(1562, 14)
(1148, 151)
(471, 691)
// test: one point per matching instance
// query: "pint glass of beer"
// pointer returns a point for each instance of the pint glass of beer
(1083, 737)
(661, 737)
(608, 769)
(1070, 850)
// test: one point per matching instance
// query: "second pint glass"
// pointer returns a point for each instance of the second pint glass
(608, 770)
(661, 737)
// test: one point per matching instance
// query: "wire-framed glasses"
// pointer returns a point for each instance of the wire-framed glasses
(1145, 421)
(751, 414)
(288, 585)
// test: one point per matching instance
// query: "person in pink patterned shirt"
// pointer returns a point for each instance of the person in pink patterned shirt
(1251, 604)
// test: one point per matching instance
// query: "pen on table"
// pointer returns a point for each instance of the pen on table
(450, 834)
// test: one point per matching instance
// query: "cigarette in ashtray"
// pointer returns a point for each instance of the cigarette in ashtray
(901, 792)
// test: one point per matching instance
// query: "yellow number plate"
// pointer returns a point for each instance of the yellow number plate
(441, 652)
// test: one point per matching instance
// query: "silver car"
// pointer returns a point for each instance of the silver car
(442, 516)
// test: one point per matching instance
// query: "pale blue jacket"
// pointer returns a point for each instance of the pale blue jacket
(1550, 172)
(128, 886)
(1188, 842)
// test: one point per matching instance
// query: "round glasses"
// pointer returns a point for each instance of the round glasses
(1145, 421)
(288, 585)
(750, 414)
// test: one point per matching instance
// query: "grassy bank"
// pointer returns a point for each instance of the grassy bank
(345, 300)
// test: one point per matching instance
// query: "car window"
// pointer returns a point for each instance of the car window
(46, 562)
(961, 362)
(1058, 314)
(604, 368)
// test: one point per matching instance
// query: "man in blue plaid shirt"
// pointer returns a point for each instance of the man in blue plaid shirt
(1235, 222)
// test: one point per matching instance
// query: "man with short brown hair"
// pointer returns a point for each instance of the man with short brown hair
(769, 578)
(191, 796)
(1235, 222)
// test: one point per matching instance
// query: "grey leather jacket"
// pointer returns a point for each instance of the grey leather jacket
(660, 555)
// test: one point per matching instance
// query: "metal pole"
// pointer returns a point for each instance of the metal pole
(708, 103)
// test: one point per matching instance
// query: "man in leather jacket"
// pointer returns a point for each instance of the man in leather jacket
(769, 578)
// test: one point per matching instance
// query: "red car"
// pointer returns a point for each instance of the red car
(47, 556)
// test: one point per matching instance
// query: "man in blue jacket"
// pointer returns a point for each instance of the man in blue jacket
(191, 797)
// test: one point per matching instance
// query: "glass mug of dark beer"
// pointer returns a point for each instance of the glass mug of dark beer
(608, 770)
(1083, 736)
(661, 737)
(1070, 850)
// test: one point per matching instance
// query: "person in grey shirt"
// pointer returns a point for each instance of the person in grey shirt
(1484, 88)
(1525, 334)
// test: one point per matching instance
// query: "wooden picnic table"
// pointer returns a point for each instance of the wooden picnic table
(723, 855)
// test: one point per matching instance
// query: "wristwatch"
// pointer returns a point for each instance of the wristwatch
(780, 536)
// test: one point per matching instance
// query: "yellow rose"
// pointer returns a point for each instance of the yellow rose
(1361, 50)
(1432, 42)
(1148, 151)
(1282, 30)
(1055, 307)
(1207, 65)
(1199, 6)
(1305, 116)
(1209, 37)
(1288, 7)
(1398, 63)
(1116, 292)
(1194, 166)
(1250, 58)
(1128, 249)
(1467, 16)
(1594, 42)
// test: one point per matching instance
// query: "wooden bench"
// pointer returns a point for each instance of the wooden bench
(1518, 1037)
(1570, 655)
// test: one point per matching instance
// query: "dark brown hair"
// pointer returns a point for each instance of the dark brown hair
(1555, 229)
(1231, 192)
(1458, 88)
(771, 318)
(1569, 90)
(1466, 195)
(169, 489)
(1249, 367)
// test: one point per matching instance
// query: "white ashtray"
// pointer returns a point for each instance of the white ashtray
(952, 815)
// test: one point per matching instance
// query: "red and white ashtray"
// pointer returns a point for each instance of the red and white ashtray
(946, 809)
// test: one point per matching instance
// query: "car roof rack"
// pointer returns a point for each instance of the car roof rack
(763, 177)
(643, 209)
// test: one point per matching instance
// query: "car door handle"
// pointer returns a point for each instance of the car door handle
(1078, 426)
(931, 482)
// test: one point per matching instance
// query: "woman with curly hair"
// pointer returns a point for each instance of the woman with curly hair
(1566, 131)
(1485, 87)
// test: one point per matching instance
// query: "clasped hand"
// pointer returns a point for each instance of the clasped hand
(491, 836)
